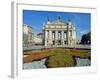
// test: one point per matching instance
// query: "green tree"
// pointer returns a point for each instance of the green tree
(86, 38)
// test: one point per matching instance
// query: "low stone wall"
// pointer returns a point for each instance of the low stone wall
(34, 47)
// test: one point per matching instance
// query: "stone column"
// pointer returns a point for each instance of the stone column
(62, 37)
(46, 35)
(68, 36)
(56, 37)
(71, 38)
(50, 37)
(74, 37)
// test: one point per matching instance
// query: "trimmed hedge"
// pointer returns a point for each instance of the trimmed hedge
(60, 60)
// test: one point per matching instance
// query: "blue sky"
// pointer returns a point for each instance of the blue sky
(36, 19)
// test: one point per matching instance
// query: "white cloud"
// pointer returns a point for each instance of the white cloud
(83, 31)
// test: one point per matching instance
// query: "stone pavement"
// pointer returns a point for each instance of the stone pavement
(41, 64)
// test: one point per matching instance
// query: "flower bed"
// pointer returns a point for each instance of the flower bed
(57, 57)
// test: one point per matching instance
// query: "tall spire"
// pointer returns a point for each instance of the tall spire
(48, 18)
(59, 17)
(70, 23)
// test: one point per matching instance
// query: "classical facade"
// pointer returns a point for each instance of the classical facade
(27, 35)
(38, 40)
(59, 33)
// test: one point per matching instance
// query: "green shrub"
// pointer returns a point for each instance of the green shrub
(60, 60)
